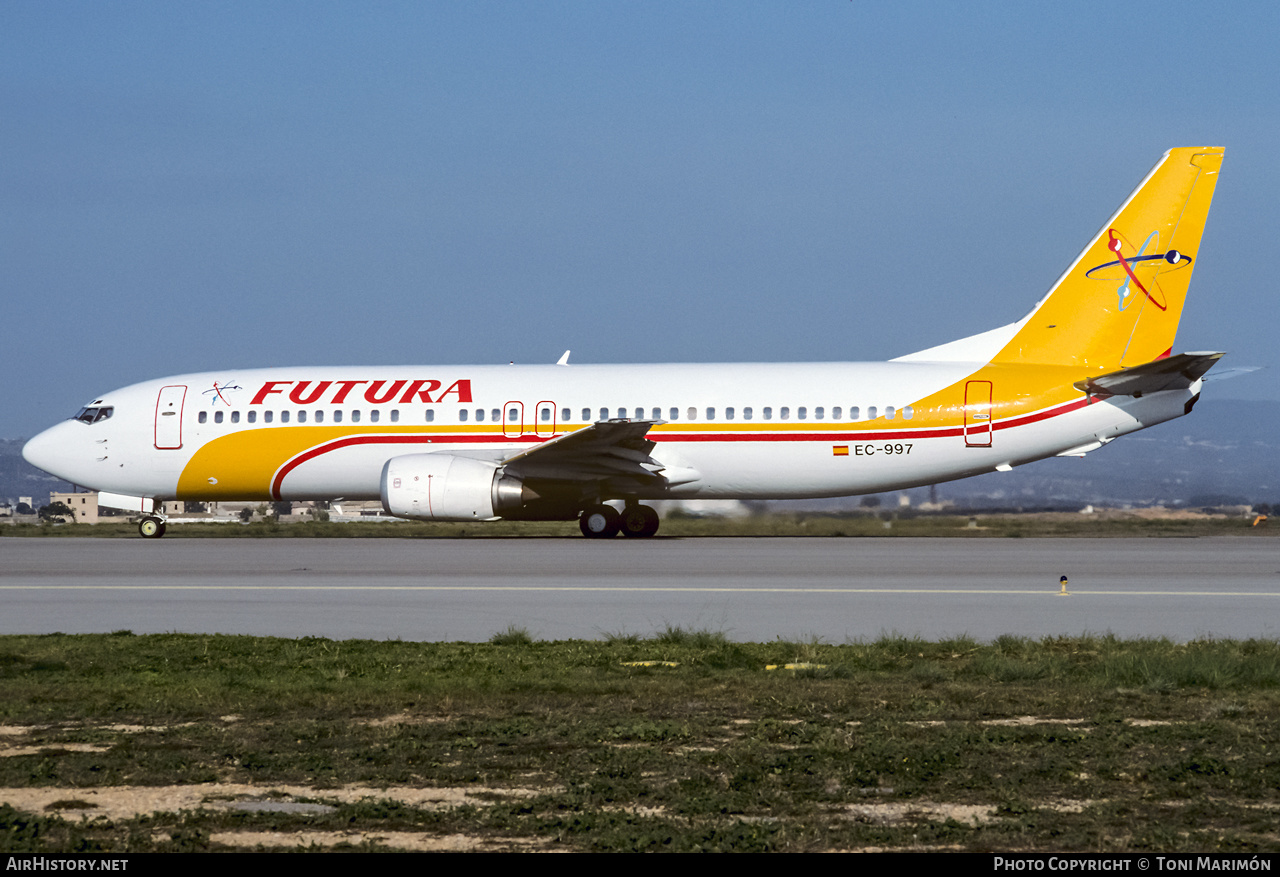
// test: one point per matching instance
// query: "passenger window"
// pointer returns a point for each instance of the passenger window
(217, 417)
(871, 412)
(888, 412)
(462, 415)
(853, 412)
(711, 414)
(657, 414)
(355, 416)
(604, 413)
(204, 417)
(768, 413)
(235, 416)
(565, 414)
(431, 415)
(728, 414)
(639, 414)
(319, 416)
(479, 415)
(495, 415)
(266, 416)
(746, 413)
(784, 413)
(253, 417)
(586, 415)
(835, 413)
(817, 413)
(337, 416)
(693, 413)
(908, 412)
(802, 413)
(375, 414)
(545, 415)
(284, 416)
(302, 417)
(675, 414)
(622, 414)
(395, 415)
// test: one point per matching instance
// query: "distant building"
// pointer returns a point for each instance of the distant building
(84, 505)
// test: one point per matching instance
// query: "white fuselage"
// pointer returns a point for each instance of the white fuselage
(725, 430)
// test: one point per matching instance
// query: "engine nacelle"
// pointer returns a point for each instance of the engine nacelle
(442, 487)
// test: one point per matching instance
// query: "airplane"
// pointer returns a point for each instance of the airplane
(1092, 361)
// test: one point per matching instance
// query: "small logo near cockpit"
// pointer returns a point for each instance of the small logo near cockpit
(215, 394)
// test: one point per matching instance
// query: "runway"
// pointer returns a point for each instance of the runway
(750, 589)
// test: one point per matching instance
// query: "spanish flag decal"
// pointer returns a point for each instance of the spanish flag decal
(840, 450)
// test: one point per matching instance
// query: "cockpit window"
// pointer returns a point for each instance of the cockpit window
(94, 415)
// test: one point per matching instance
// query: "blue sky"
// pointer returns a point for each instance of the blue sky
(192, 187)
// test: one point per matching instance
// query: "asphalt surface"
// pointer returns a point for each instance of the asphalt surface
(750, 589)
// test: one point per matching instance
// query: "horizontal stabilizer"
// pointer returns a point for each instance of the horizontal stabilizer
(1176, 372)
(1223, 374)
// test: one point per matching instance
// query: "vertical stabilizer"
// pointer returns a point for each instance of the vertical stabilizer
(1119, 303)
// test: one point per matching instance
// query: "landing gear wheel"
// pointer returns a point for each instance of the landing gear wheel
(151, 528)
(599, 522)
(639, 520)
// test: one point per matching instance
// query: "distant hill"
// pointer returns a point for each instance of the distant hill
(1224, 452)
(20, 478)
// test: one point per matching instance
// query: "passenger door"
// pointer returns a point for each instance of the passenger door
(169, 417)
(977, 414)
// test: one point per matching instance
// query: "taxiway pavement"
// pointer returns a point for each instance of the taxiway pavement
(750, 589)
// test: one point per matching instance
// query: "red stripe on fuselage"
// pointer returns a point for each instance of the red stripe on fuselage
(823, 437)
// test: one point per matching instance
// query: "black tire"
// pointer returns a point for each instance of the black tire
(639, 520)
(151, 528)
(599, 522)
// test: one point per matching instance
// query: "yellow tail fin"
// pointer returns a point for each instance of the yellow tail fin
(1119, 303)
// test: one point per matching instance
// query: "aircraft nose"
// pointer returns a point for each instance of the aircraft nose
(47, 450)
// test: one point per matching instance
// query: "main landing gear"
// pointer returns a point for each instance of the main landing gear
(151, 528)
(604, 522)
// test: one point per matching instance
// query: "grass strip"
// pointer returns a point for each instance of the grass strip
(681, 740)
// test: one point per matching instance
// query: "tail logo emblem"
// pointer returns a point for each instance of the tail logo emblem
(1146, 260)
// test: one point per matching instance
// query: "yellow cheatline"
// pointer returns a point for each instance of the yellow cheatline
(795, 666)
(650, 664)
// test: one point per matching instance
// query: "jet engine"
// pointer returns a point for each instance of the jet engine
(442, 487)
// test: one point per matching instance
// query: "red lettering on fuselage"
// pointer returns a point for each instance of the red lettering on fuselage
(371, 394)
(344, 387)
(424, 395)
(377, 393)
(461, 389)
(296, 393)
(267, 389)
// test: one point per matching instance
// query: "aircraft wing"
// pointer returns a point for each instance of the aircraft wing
(606, 449)
(1177, 372)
